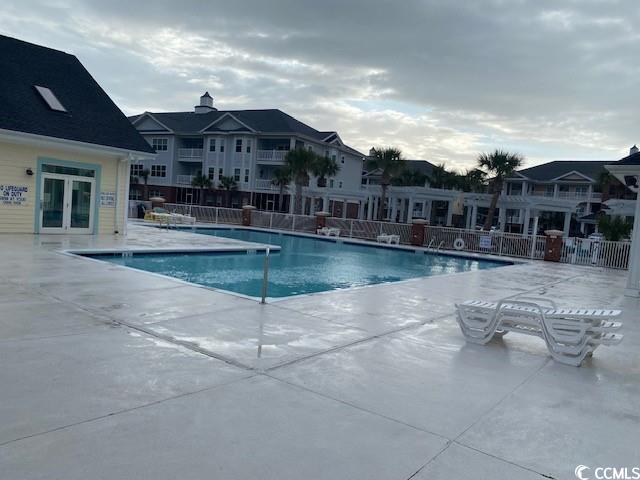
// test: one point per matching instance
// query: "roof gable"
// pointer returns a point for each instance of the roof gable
(90, 117)
(227, 123)
(558, 170)
(148, 123)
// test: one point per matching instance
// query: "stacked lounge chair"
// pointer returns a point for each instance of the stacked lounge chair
(571, 334)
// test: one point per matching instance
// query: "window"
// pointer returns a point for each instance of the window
(236, 174)
(212, 173)
(246, 175)
(220, 173)
(331, 183)
(158, 170)
(155, 193)
(342, 159)
(212, 145)
(248, 150)
(326, 153)
(135, 194)
(136, 170)
(221, 146)
(160, 144)
(50, 99)
(238, 145)
(310, 148)
(80, 172)
(339, 184)
(333, 157)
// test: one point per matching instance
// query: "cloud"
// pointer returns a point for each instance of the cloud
(442, 80)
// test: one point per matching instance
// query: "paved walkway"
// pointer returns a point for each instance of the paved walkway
(113, 373)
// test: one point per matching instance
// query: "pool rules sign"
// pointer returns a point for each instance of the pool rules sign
(13, 194)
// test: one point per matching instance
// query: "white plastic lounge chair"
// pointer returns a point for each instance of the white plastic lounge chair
(388, 239)
(571, 334)
(329, 232)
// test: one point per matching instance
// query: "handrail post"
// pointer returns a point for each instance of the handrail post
(216, 219)
(265, 276)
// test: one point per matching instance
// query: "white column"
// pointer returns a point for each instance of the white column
(527, 219)
(325, 203)
(555, 190)
(449, 213)
(391, 211)
(312, 206)
(369, 207)
(410, 210)
(374, 209)
(567, 223)
(361, 204)
(292, 201)
(344, 208)
(427, 212)
(633, 279)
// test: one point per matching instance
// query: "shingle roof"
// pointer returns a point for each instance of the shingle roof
(558, 168)
(633, 159)
(91, 116)
(262, 121)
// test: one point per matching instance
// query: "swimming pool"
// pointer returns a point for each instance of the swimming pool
(303, 265)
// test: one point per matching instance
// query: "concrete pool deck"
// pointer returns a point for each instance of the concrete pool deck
(110, 373)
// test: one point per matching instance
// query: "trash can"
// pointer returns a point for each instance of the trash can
(553, 246)
(140, 210)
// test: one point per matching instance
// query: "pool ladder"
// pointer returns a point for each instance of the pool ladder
(439, 245)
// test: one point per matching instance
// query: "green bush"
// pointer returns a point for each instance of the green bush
(614, 228)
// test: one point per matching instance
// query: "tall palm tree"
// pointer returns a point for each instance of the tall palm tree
(203, 182)
(473, 180)
(390, 162)
(281, 179)
(500, 164)
(323, 168)
(300, 162)
(410, 178)
(228, 184)
(144, 174)
(440, 177)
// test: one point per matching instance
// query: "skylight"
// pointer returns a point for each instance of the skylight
(49, 97)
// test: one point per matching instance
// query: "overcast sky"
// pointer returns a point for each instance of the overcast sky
(441, 79)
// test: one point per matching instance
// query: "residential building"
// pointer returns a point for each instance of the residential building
(65, 147)
(247, 145)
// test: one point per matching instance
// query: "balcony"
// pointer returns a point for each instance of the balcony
(190, 154)
(262, 184)
(271, 156)
(184, 179)
(582, 196)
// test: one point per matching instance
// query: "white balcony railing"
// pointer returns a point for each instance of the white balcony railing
(262, 184)
(184, 179)
(271, 155)
(190, 153)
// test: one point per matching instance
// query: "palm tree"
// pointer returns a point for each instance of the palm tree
(325, 167)
(281, 179)
(390, 162)
(202, 182)
(473, 180)
(410, 178)
(605, 181)
(228, 184)
(439, 177)
(500, 164)
(300, 163)
(144, 174)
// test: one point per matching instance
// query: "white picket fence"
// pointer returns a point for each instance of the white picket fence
(579, 251)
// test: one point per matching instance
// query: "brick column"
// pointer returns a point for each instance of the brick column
(417, 231)
(553, 246)
(246, 215)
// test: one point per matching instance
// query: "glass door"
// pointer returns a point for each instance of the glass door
(53, 204)
(67, 204)
(81, 204)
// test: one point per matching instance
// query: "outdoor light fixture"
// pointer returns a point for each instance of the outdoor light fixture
(29, 172)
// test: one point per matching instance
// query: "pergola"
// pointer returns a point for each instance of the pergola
(627, 171)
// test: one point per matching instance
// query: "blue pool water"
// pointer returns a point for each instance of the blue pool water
(303, 265)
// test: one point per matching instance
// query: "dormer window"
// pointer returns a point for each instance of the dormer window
(51, 100)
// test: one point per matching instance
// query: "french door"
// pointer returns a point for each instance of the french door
(66, 204)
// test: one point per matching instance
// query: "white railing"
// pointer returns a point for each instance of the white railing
(584, 251)
(190, 152)
(577, 251)
(267, 184)
(184, 179)
(568, 195)
(271, 155)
